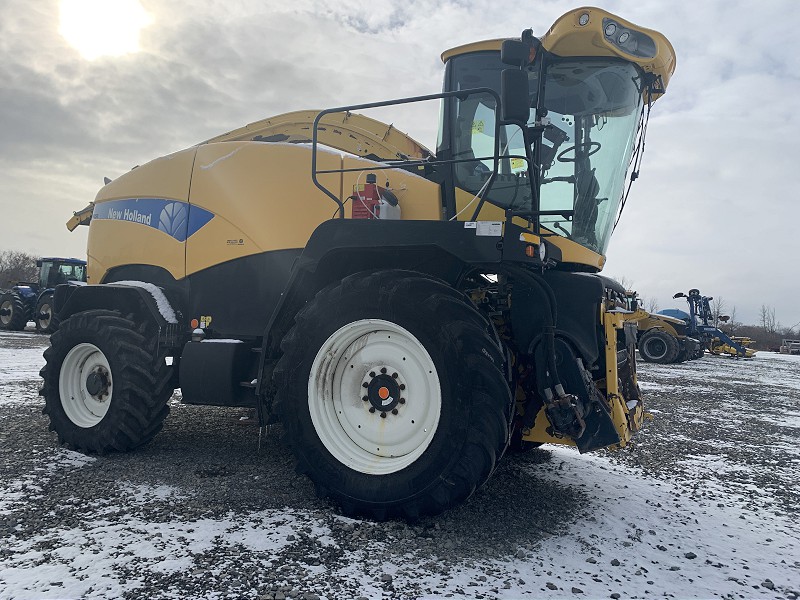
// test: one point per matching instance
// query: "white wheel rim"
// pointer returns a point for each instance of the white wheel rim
(44, 316)
(660, 345)
(363, 440)
(8, 305)
(83, 366)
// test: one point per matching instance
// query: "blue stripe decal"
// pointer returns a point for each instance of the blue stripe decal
(175, 218)
(198, 217)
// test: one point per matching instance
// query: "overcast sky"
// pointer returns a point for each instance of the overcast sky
(715, 207)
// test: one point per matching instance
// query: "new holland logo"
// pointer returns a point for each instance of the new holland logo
(177, 219)
(129, 215)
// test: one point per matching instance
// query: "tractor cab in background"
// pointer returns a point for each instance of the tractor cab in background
(33, 301)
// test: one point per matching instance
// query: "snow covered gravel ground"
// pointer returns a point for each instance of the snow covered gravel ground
(705, 505)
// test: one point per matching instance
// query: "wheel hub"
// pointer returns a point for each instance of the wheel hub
(383, 391)
(657, 347)
(97, 383)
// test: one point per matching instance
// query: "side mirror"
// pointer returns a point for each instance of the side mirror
(679, 295)
(514, 97)
(724, 318)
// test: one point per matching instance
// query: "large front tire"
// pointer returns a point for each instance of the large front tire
(13, 316)
(658, 346)
(392, 395)
(105, 385)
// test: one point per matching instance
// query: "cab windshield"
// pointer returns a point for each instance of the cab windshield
(593, 109)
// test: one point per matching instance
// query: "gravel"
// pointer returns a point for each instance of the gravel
(206, 467)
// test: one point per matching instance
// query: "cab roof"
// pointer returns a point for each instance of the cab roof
(585, 32)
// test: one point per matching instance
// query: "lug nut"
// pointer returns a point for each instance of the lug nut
(402, 386)
(383, 370)
(402, 400)
(372, 373)
(365, 398)
(365, 384)
(372, 409)
(394, 411)
(383, 415)
(395, 375)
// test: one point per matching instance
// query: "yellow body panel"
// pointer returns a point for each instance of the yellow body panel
(261, 194)
(165, 177)
(349, 132)
(645, 321)
(482, 46)
(125, 243)
(122, 243)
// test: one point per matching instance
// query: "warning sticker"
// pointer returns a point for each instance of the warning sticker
(470, 225)
(477, 126)
(517, 164)
(489, 228)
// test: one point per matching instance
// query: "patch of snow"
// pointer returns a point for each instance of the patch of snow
(19, 364)
(220, 159)
(164, 307)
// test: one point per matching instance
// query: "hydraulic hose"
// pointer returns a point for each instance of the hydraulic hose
(549, 330)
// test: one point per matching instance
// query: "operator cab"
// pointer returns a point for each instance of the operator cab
(585, 125)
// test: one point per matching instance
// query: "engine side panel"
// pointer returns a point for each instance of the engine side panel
(141, 218)
(262, 199)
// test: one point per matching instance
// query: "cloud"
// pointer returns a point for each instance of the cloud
(715, 206)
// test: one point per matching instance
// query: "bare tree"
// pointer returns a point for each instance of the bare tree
(17, 266)
(793, 327)
(717, 310)
(624, 282)
(652, 305)
(767, 319)
(732, 325)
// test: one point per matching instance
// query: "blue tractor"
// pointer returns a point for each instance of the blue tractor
(33, 301)
(699, 326)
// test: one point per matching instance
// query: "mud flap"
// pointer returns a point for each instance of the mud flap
(577, 381)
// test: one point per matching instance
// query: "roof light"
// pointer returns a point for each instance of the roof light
(583, 19)
(630, 41)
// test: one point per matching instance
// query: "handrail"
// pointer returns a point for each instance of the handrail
(461, 94)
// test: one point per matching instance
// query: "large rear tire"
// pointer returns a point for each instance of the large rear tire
(44, 317)
(392, 395)
(13, 316)
(105, 385)
(658, 346)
